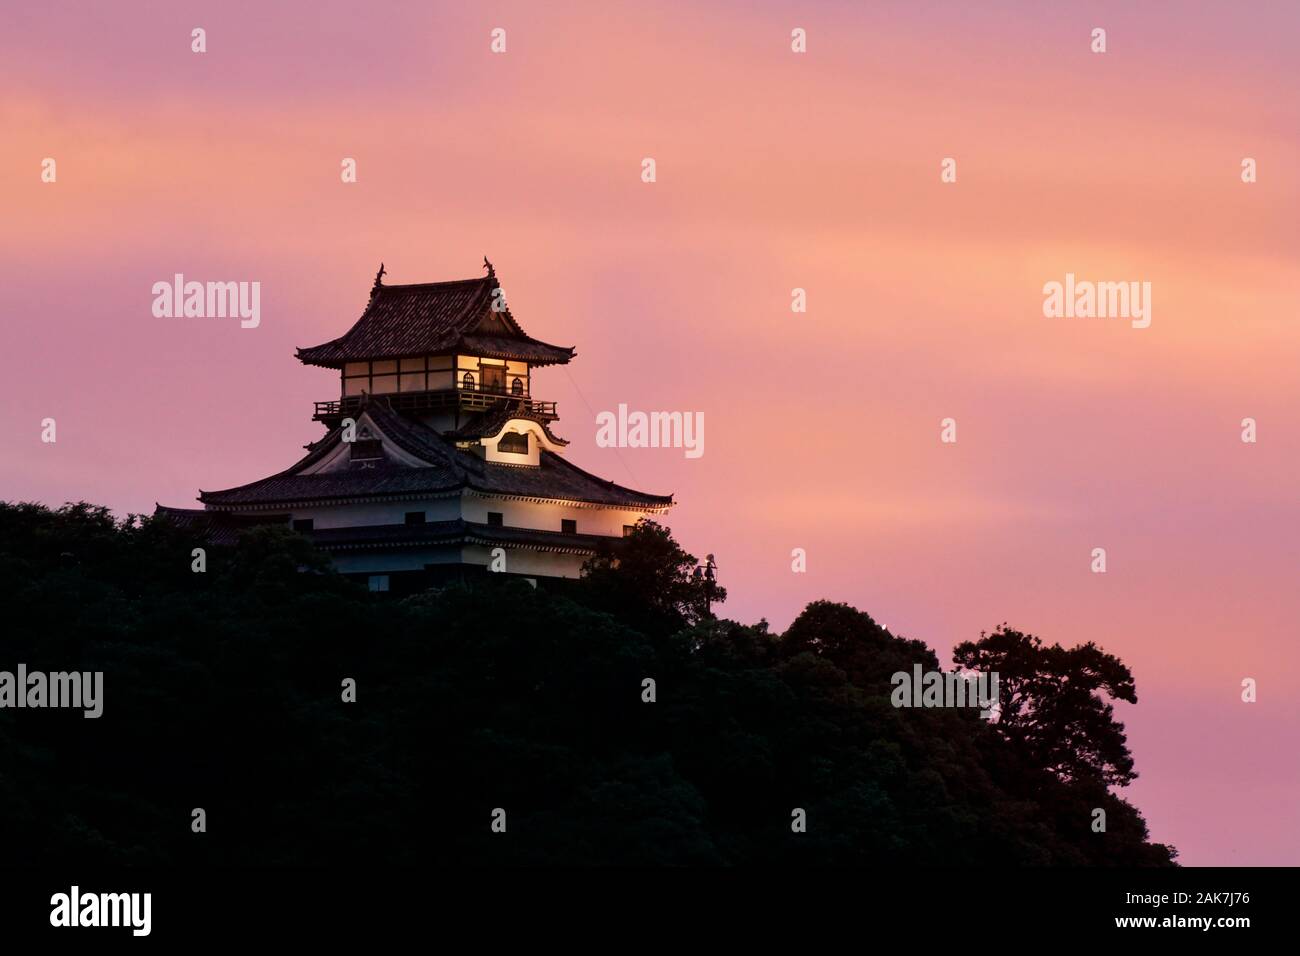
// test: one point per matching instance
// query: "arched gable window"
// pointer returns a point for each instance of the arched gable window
(467, 381)
(517, 387)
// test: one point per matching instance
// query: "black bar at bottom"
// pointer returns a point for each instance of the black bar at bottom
(335, 906)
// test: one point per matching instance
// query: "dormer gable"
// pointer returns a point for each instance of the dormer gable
(364, 445)
(493, 323)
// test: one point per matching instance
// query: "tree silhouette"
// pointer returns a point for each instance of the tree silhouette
(866, 652)
(646, 576)
(1050, 707)
(222, 690)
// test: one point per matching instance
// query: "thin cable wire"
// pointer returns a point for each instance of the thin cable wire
(626, 467)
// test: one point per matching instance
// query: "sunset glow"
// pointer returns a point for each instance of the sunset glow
(774, 172)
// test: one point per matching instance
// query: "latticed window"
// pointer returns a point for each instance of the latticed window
(514, 443)
(517, 387)
(467, 382)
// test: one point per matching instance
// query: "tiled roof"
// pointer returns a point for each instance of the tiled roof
(555, 477)
(379, 481)
(211, 527)
(447, 470)
(432, 317)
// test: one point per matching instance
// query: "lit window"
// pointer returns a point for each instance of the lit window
(628, 529)
(467, 382)
(379, 582)
(513, 443)
(517, 387)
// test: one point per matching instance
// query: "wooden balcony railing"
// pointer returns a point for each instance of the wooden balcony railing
(475, 399)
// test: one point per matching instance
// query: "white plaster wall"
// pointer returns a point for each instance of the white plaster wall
(471, 507)
(518, 561)
(547, 517)
(440, 380)
(536, 563)
(389, 512)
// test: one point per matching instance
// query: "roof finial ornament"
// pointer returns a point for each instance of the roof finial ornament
(379, 278)
(491, 271)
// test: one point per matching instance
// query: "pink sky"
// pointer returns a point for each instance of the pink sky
(775, 171)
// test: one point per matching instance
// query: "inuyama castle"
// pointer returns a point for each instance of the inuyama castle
(437, 461)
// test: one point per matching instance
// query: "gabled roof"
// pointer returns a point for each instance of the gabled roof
(446, 470)
(433, 317)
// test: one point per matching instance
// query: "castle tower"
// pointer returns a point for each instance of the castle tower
(437, 460)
